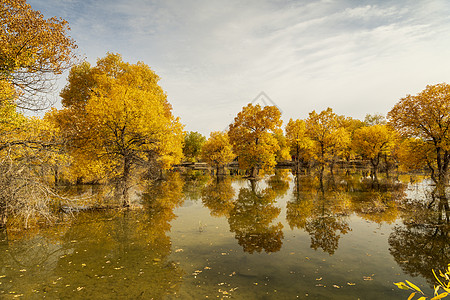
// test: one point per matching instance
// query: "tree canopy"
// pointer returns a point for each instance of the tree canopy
(124, 121)
(426, 117)
(32, 51)
(193, 142)
(328, 136)
(252, 137)
(217, 150)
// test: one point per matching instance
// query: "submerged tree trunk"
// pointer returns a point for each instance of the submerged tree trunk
(124, 185)
(254, 172)
(375, 161)
(386, 162)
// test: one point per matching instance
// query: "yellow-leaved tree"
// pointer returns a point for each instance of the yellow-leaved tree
(426, 117)
(123, 120)
(252, 137)
(373, 143)
(329, 138)
(32, 51)
(299, 142)
(217, 150)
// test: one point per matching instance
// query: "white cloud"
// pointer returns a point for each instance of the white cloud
(215, 56)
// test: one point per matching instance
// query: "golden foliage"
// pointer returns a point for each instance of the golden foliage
(252, 137)
(217, 150)
(426, 116)
(330, 139)
(373, 141)
(33, 49)
(299, 142)
(117, 117)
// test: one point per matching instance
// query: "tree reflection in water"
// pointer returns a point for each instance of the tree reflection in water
(279, 182)
(194, 182)
(322, 215)
(251, 220)
(218, 196)
(423, 242)
(323, 212)
(102, 254)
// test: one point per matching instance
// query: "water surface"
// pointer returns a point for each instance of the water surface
(196, 237)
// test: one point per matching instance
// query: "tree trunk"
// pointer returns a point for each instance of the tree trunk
(254, 172)
(124, 183)
(387, 165)
(375, 161)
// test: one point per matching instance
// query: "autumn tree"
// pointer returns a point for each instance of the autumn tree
(426, 117)
(283, 153)
(193, 142)
(350, 125)
(252, 137)
(329, 139)
(217, 150)
(374, 143)
(122, 121)
(415, 155)
(299, 142)
(32, 51)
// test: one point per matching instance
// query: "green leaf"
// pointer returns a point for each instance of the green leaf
(401, 285)
(414, 286)
(443, 295)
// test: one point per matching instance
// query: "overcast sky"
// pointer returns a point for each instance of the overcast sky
(214, 57)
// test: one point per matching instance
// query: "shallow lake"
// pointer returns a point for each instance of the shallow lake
(195, 237)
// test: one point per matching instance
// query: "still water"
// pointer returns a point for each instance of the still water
(195, 237)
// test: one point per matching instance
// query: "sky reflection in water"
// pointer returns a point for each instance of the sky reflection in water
(199, 237)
